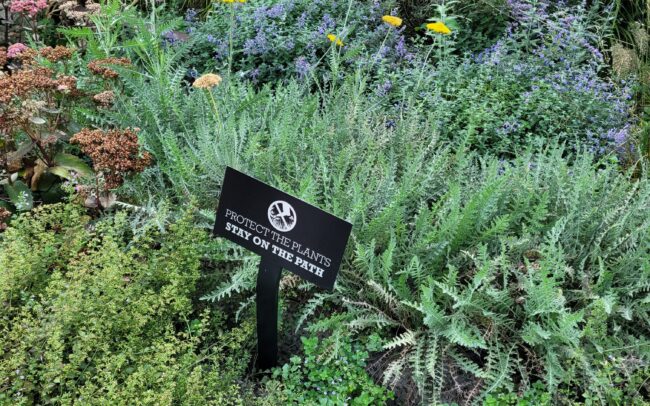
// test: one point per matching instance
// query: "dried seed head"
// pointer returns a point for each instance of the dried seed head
(99, 66)
(104, 99)
(207, 81)
(115, 153)
(624, 60)
(56, 54)
(4, 216)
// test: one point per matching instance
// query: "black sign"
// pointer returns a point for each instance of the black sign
(281, 228)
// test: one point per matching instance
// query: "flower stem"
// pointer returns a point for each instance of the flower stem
(230, 40)
(214, 108)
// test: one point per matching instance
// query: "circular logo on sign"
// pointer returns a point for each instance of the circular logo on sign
(282, 216)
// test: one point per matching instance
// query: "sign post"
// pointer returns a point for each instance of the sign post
(268, 284)
(287, 233)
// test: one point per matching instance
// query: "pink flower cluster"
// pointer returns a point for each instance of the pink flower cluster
(31, 7)
(15, 50)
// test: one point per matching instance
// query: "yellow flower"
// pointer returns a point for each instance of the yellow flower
(207, 81)
(439, 27)
(392, 20)
(333, 38)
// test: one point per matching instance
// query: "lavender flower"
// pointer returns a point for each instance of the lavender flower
(190, 15)
(170, 38)
(276, 11)
(302, 67)
(384, 88)
(257, 45)
(302, 20)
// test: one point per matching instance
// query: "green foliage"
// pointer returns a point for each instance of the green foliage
(93, 315)
(274, 40)
(630, 58)
(341, 381)
(536, 395)
(490, 266)
(497, 248)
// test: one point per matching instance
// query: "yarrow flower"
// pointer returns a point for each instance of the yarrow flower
(207, 81)
(15, 50)
(31, 7)
(392, 20)
(439, 27)
(336, 40)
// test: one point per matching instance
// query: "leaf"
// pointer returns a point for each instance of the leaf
(39, 170)
(73, 163)
(61, 172)
(19, 153)
(50, 111)
(37, 120)
(107, 199)
(91, 202)
(405, 339)
(20, 195)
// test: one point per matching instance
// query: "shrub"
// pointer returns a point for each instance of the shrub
(278, 40)
(342, 381)
(91, 314)
(542, 81)
(115, 154)
(45, 93)
(498, 277)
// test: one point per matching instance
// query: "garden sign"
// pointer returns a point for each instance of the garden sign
(287, 233)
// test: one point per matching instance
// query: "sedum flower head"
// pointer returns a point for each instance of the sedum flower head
(30, 7)
(392, 20)
(207, 81)
(15, 50)
(336, 40)
(438, 27)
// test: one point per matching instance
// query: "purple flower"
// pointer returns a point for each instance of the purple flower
(384, 88)
(190, 15)
(257, 45)
(328, 24)
(254, 74)
(276, 11)
(302, 20)
(170, 37)
(302, 67)
(221, 49)
(619, 136)
(400, 47)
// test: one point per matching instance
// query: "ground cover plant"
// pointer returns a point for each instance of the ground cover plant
(492, 158)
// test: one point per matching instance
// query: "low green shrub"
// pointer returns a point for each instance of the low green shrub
(494, 274)
(90, 314)
(308, 380)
